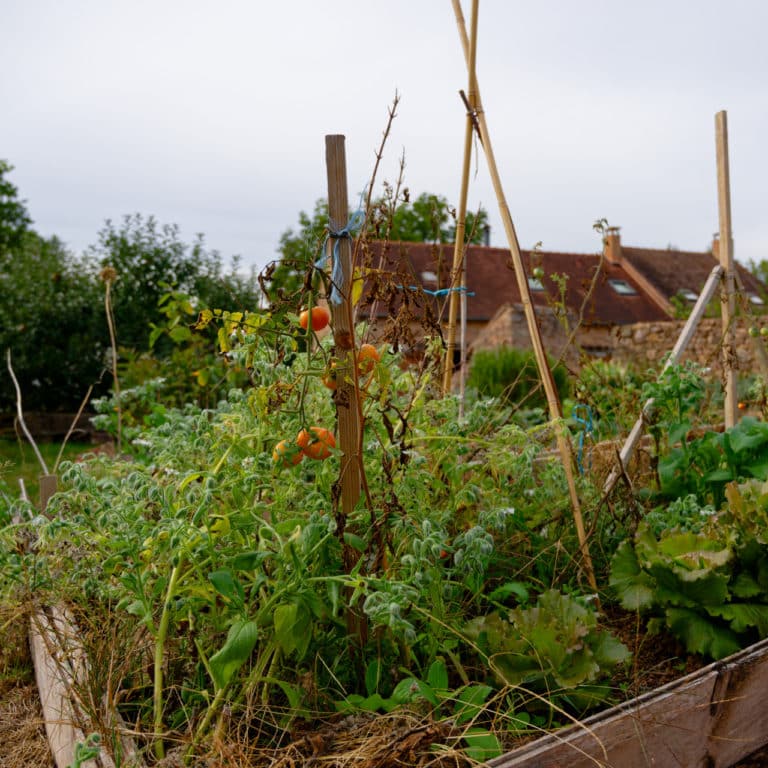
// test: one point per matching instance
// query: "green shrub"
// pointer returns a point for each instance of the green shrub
(511, 374)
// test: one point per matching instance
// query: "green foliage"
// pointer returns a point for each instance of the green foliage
(53, 322)
(512, 375)
(705, 465)
(14, 218)
(613, 394)
(554, 646)
(148, 258)
(707, 583)
(431, 219)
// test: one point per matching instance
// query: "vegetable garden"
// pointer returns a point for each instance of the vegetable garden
(343, 559)
(229, 605)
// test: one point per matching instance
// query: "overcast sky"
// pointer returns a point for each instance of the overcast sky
(212, 115)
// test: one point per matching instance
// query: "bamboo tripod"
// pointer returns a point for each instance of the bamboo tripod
(555, 412)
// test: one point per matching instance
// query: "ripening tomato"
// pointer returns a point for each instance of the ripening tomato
(330, 377)
(367, 357)
(286, 454)
(319, 316)
(316, 443)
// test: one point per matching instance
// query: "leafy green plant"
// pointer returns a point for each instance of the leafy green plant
(706, 583)
(703, 466)
(554, 646)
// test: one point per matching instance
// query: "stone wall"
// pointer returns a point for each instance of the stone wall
(648, 343)
(643, 344)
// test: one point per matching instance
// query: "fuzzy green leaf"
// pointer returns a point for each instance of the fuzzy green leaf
(293, 628)
(437, 676)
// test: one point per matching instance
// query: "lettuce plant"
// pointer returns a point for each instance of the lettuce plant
(709, 586)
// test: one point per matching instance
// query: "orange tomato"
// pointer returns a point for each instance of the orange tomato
(287, 454)
(316, 443)
(330, 377)
(367, 357)
(319, 316)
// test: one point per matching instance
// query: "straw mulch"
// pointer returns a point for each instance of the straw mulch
(23, 743)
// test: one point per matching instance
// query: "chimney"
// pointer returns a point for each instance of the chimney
(487, 235)
(716, 245)
(612, 245)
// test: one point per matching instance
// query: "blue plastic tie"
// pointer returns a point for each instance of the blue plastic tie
(586, 431)
(441, 291)
(356, 221)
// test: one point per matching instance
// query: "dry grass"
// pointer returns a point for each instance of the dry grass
(23, 743)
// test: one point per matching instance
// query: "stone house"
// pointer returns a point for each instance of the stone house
(585, 303)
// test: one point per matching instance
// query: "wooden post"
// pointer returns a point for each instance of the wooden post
(347, 410)
(545, 373)
(48, 485)
(728, 294)
(459, 254)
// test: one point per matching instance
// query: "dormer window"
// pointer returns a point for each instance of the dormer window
(688, 294)
(755, 299)
(535, 284)
(622, 287)
(429, 277)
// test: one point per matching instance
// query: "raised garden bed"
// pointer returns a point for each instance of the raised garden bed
(713, 717)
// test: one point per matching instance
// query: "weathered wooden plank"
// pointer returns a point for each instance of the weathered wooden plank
(60, 661)
(713, 717)
(52, 675)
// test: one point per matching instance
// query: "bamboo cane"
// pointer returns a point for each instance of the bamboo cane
(728, 302)
(555, 411)
(343, 330)
(459, 253)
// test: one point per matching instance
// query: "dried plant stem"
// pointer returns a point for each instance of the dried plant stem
(72, 427)
(113, 343)
(20, 414)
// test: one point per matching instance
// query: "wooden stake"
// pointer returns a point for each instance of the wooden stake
(343, 329)
(545, 373)
(459, 253)
(728, 294)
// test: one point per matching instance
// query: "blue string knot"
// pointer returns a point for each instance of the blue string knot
(356, 221)
(586, 431)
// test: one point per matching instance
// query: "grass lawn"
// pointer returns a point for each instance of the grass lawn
(18, 460)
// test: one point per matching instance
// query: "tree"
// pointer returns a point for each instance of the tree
(760, 271)
(14, 219)
(149, 259)
(431, 219)
(52, 320)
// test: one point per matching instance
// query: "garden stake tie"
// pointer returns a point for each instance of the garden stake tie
(555, 412)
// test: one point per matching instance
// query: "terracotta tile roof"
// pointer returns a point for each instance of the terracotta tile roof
(673, 271)
(491, 278)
